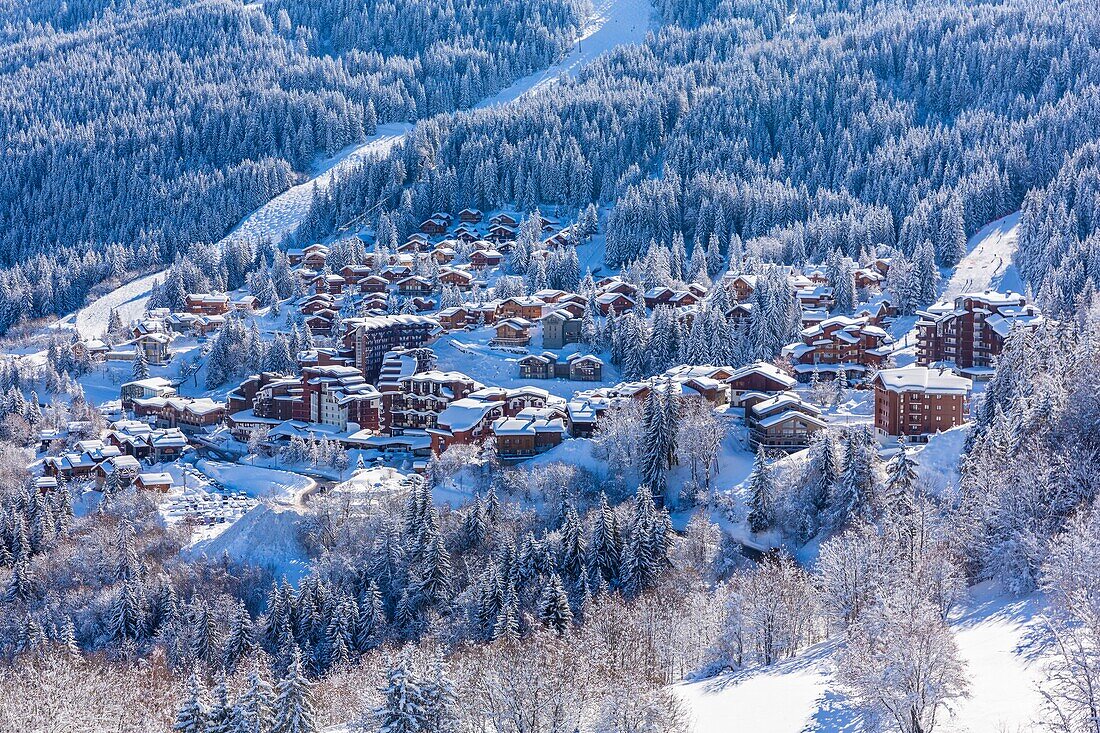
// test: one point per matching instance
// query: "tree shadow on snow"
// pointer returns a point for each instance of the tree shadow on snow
(835, 715)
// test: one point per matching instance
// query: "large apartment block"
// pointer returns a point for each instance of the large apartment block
(970, 330)
(371, 338)
(914, 403)
(839, 343)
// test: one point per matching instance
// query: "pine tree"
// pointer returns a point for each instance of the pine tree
(506, 626)
(204, 642)
(127, 564)
(647, 547)
(219, 717)
(239, 641)
(126, 622)
(901, 478)
(141, 364)
(293, 707)
(761, 488)
(855, 491)
(654, 449)
(254, 710)
(553, 609)
(574, 549)
(372, 618)
(404, 708)
(192, 715)
(606, 545)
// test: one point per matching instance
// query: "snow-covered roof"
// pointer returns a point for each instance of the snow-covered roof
(763, 368)
(529, 424)
(466, 413)
(782, 402)
(923, 379)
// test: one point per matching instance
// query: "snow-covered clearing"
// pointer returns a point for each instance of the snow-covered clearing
(468, 352)
(259, 483)
(996, 635)
(129, 299)
(267, 536)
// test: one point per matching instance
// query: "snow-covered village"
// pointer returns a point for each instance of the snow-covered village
(553, 366)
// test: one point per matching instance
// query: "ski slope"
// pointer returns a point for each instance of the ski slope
(996, 636)
(989, 260)
(129, 299)
(612, 23)
(988, 264)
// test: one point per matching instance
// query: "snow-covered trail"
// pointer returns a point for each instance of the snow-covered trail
(612, 23)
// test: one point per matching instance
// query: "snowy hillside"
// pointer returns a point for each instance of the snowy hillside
(989, 260)
(988, 264)
(996, 635)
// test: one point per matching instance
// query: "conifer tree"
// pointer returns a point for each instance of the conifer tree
(126, 622)
(761, 488)
(293, 707)
(219, 717)
(901, 478)
(239, 640)
(606, 545)
(254, 709)
(192, 715)
(554, 610)
(404, 708)
(141, 364)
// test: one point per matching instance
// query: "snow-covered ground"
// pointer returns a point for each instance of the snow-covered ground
(129, 299)
(468, 352)
(989, 260)
(996, 635)
(282, 487)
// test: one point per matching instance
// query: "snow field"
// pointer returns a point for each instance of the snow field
(996, 638)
